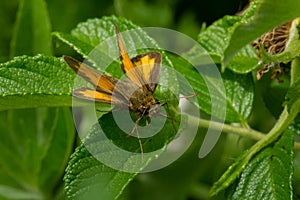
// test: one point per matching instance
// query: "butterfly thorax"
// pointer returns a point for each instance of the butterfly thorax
(142, 101)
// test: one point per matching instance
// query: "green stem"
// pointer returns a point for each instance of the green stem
(279, 128)
(264, 139)
(245, 132)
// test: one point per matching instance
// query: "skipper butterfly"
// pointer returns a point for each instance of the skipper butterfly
(135, 93)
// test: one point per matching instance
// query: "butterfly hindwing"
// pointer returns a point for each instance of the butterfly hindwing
(143, 69)
(149, 66)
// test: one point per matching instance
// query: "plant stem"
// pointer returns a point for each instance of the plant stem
(232, 129)
(279, 128)
(264, 139)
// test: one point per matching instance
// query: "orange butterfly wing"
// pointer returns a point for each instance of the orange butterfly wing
(94, 95)
(143, 69)
(104, 84)
(101, 82)
(148, 65)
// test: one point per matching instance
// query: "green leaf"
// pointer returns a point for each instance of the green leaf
(88, 35)
(268, 14)
(33, 150)
(79, 46)
(239, 96)
(32, 31)
(215, 39)
(27, 82)
(239, 91)
(269, 174)
(86, 177)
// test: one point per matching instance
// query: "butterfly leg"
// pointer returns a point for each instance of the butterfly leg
(138, 135)
(135, 127)
(147, 121)
(140, 143)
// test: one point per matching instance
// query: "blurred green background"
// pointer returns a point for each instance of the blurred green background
(186, 16)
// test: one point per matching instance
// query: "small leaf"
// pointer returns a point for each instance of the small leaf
(27, 82)
(215, 39)
(269, 174)
(32, 31)
(268, 14)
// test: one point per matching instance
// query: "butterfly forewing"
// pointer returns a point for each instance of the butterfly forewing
(101, 82)
(126, 63)
(104, 84)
